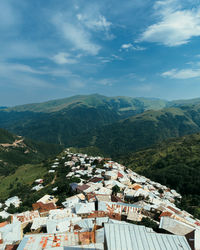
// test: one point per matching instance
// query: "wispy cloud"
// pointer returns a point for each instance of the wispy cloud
(63, 58)
(176, 25)
(127, 46)
(76, 35)
(9, 68)
(182, 74)
(109, 59)
(95, 23)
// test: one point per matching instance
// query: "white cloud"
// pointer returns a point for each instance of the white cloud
(182, 74)
(95, 22)
(76, 35)
(176, 26)
(63, 58)
(127, 46)
(6, 68)
(21, 75)
(99, 23)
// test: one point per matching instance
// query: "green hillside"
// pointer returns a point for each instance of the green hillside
(16, 151)
(61, 121)
(187, 102)
(6, 137)
(175, 163)
(143, 130)
(112, 125)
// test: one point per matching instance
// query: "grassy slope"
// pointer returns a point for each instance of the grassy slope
(25, 174)
(26, 152)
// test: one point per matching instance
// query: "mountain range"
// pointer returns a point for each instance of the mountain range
(111, 124)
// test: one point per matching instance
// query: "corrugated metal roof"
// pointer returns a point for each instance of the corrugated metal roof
(89, 223)
(174, 226)
(134, 237)
(84, 208)
(85, 247)
(11, 232)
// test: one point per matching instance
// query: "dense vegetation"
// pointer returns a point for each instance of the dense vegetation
(175, 163)
(62, 121)
(142, 130)
(22, 181)
(26, 151)
(110, 125)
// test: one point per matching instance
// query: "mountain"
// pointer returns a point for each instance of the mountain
(175, 163)
(16, 150)
(120, 103)
(143, 130)
(110, 125)
(60, 121)
(186, 102)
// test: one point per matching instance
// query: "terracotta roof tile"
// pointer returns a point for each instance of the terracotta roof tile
(166, 213)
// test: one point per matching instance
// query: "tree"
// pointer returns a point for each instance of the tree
(115, 189)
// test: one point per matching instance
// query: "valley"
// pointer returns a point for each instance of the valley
(136, 152)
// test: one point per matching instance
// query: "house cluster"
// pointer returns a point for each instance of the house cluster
(108, 211)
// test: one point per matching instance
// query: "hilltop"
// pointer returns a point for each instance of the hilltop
(120, 104)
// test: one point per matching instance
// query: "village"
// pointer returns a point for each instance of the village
(112, 208)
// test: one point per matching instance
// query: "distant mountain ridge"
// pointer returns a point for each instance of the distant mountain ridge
(60, 121)
(113, 125)
(119, 103)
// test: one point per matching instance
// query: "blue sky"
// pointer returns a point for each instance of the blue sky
(54, 49)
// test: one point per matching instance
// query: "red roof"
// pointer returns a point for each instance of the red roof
(83, 187)
(96, 179)
(3, 224)
(165, 213)
(174, 210)
(43, 207)
(136, 187)
(119, 175)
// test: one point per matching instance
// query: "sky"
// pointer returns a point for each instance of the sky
(55, 49)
